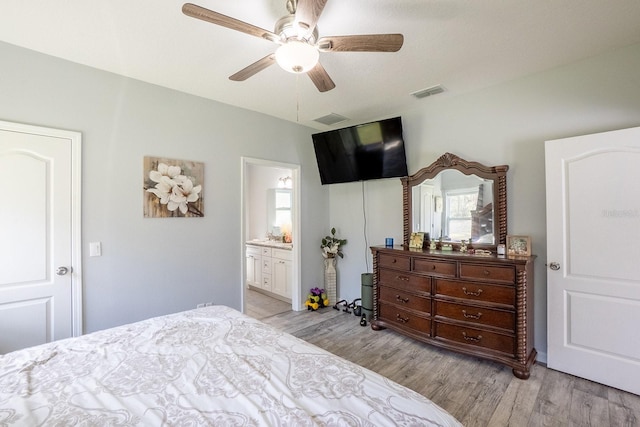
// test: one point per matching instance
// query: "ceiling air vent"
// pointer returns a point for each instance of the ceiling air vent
(330, 119)
(433, 90)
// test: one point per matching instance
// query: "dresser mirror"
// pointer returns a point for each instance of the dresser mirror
(454, 200)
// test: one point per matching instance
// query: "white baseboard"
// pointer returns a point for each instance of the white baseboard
(542, 358)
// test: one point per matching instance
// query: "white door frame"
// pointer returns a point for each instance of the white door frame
(296, 290)
(75, 138)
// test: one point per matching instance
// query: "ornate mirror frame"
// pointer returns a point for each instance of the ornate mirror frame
(450, 161)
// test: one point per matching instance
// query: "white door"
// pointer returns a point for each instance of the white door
(39, 266)
(593, 250)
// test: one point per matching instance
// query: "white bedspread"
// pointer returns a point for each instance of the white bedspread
(210, 366)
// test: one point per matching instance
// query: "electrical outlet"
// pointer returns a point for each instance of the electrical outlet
(204, 304)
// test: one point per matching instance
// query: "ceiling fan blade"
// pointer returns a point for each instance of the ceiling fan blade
(199, 12)
(254, 68)
(308, 12)
(362, 43)
(320, 78)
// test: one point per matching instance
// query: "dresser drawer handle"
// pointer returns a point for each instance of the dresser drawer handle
(433, 267)
(403, 278)
(473, 339)
(394, 261)
(471, 316)
(470, 293)
(401, 319)
(487, 272)
(404, 300)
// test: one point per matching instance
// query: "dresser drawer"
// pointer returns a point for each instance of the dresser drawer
(474, 291)
(435, 267)
(475, 337)
(281, 254)
(253, 251)
(502, 319)
(266, 282)
(392, 261)
(404, 299)
(266, 266)
(404, 319)
(492, 273)
(266, 252)
(405, 281)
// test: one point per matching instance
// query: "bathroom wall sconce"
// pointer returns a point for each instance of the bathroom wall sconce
(284, 182)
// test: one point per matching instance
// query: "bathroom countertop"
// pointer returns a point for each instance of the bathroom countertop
(270, 244)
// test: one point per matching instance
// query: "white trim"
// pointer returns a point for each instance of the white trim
(76, 231)
(75, 138)
(296, 288)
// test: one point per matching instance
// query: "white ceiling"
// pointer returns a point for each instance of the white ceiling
(463, 45)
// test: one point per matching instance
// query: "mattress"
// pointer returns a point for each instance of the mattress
(209, 366)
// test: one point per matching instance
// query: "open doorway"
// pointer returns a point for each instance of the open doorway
(270, 236)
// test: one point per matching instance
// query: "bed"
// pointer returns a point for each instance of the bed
(209, 366)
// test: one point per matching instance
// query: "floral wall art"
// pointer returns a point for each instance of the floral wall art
(172, 188)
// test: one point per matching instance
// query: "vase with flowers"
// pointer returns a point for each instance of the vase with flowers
(331, 248)
(316, 299)
(331, 245)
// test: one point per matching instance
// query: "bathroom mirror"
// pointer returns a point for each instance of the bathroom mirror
(279, 204)
(455, 199)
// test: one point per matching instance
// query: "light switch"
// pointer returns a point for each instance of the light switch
(95, 249)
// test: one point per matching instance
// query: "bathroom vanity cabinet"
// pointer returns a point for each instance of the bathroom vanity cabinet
(270, 268)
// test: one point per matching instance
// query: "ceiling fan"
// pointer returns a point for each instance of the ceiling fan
(297, 35)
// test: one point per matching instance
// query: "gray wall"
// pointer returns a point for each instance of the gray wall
(157, 266)
(504, 124)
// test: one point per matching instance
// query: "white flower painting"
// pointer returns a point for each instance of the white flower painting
(172, 188)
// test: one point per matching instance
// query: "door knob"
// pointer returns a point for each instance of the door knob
(554, 266)
(61, 271)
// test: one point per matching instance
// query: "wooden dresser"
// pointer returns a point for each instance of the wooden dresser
(473, 304)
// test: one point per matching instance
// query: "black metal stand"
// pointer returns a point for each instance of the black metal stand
(352, 307)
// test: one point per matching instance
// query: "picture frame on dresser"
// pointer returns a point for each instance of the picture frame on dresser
(417, 240)
(518, 245)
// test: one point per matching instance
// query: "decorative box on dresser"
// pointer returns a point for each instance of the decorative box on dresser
(474, 304)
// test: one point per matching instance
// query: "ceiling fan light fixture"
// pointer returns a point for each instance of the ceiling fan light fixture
(297, 56)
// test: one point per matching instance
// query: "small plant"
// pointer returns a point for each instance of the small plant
(331, 245)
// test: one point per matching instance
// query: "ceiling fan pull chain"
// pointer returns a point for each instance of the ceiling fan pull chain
(297, 98)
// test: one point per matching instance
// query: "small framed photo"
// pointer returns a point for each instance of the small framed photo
(518, 245)
(417, 240)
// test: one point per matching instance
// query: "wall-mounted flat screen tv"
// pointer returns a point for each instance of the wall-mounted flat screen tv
(357, 153)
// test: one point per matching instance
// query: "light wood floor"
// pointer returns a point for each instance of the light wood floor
(261, 306)
(476, 392)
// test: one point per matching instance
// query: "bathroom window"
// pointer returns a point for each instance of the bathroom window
(278, 210)
(282, 207)
(458, 205)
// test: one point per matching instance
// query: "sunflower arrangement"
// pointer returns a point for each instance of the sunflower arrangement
(316, 299)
